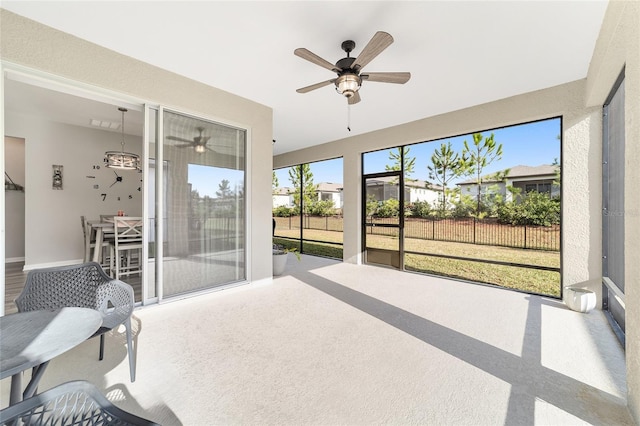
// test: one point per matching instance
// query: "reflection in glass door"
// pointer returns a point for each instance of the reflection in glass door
(383, 219)
(203, 208)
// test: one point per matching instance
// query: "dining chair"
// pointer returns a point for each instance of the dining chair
(73, 403)
(84, 286)
(90, 244)
(126, 248)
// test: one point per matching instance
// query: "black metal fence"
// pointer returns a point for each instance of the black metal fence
(466, 230)
(476, 231)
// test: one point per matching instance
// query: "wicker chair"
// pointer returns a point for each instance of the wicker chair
(72, 403)
(84, 286)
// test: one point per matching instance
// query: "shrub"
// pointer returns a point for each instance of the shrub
(322, 208)
(388, 208)
(464, 207)
(536, 209)
(420, 209)
(283, 211)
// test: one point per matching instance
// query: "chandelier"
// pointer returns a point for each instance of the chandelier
(120, 159)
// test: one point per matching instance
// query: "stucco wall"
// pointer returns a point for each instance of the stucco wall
(618, 46)
(30, 44)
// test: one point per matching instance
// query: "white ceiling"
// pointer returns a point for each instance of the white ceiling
(459, 53)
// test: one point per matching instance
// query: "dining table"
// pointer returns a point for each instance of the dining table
(31, 339)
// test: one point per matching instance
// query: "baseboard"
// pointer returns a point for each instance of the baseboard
(13, 259)
(52, 264)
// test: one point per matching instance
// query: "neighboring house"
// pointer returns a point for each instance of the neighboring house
(330, 191)
(526, 178)
(282, 197)
(325, 191)
(384, 188)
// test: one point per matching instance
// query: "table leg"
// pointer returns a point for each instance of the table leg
(87, 243)
(98, 250)
(36, 375)
(16, 389)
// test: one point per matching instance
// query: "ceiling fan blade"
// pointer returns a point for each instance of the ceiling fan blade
(387, 77)
(184, 146)
(376, 45)
(354, 99)
(312, 57)
(315, 86)
(175, 138)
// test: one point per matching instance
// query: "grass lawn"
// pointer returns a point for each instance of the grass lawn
(525, 279)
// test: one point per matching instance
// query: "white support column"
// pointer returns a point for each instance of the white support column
(352, 195)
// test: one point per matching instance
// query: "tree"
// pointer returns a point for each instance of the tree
(274, 180)
(224, 191)
(446, 164)
(397, 156)
(558, 169)
(301, 178)
(477, 157)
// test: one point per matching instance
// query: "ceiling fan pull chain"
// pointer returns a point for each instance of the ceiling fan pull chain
(348, 117)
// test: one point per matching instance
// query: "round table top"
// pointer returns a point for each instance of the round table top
(31, 338)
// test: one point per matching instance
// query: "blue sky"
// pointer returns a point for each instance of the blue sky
(206, 179)
(530, 144)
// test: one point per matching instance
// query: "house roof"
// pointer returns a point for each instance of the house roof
(520, 171)
(282, 190)
(329, 187)
(411, 183)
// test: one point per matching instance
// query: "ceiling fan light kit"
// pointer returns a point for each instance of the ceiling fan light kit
(120, 159)
(198, 143)
(348, 84)
(349, 79)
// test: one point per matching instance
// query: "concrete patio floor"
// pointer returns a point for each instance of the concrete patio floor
(335, 343)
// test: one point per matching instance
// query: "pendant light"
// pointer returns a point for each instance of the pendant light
(120, 159)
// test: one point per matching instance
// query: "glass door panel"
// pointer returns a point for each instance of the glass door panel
(151, 136)
(204, 217)
(382, 219)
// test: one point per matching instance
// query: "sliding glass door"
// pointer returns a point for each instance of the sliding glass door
(199, 200)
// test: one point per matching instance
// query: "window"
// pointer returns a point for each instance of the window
(307, 207)
(473, 207)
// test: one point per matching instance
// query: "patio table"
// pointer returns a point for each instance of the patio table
(32, 339)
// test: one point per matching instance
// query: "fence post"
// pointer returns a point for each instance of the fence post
(474, 229)
(525, 236)
(433, 229)
(326, 223)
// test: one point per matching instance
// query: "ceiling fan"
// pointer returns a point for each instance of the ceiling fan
(349, 70)
(198, 143)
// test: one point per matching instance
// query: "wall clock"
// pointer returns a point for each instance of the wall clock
(110, 184)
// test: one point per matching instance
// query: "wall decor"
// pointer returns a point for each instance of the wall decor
(57, 176)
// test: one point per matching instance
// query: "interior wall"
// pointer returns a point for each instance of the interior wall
(54, 236)
(36, 46)
(618, 47)
(14, 200)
